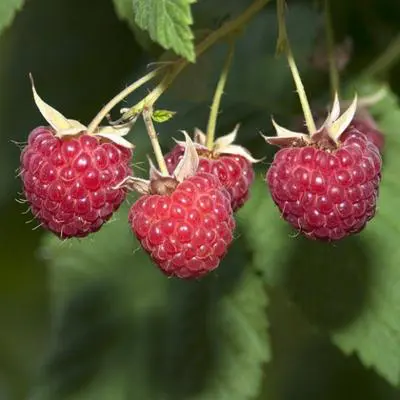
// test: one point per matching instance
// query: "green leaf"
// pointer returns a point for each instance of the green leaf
(218, 337)
(348, 289)
(375, 334)
(8, 9)
(124, 10)
(162, 115)
(168, 23)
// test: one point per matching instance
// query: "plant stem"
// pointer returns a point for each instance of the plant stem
(119, 97)
(162, 166)
(386, 60)
(225, 30)
(219, 91)
(284, 45)
(330, 42)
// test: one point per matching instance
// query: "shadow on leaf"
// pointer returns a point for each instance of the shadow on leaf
(87, 331)
(329, 282)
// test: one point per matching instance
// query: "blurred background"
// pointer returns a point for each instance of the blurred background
(94, 319)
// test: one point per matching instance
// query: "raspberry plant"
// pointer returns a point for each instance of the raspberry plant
(192, 280)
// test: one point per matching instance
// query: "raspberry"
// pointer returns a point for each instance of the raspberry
(365, 128)
(188, 230)
(235, 173)
(327, 194)
(70, 182)
(326, 182)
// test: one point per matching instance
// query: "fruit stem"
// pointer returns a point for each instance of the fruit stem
(162, 166)
(284, 45)
(225, 30)
(330, 42)
(386, 60)
(119, 97)
(219, 91)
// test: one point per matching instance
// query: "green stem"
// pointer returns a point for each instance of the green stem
(119, 97)
(386, 60)
(225, 30)
(162, 166)
(219, 91)
(330, 41)
(284, 45)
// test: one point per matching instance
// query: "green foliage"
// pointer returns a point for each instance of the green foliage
(168, 23)
(162, 115)
(375, 334)
(162, 338)
(347, 289)
(124, 10)
(8, 9)
(219, 336)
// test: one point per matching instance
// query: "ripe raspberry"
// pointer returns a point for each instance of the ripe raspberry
(326, 186)
(327, 195)
(70, 182)
(188, 230)
(231, 163)
(365, 128)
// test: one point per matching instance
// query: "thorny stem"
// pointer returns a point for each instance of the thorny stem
(284, 45)
(225, 30)
(330, 41)
(219, 91)
(119, 97)
(389, 57)
(162, 166)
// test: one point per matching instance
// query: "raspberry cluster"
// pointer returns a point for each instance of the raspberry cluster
(325, 184)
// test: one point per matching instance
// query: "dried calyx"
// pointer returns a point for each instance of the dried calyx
(64, 127)
(223, 145)
(327, 136)
(163, 184)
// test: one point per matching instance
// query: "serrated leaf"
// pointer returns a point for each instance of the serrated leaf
(8, 9)
(349, 288)
(162, 115)
(168, 23)
(124, 10)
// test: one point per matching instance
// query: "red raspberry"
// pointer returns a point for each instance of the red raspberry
(235, 173)
(365, 128)
(188, 231)
(327, 194)
(70, 182)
